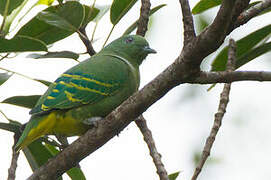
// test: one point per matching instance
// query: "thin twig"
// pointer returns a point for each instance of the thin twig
(228, 77)
(107, 38)
(144, 18)
(231, 56)
(91, 9)
(5, 56)
(140, 121)
(19, 74)
(93, 32)
(5, 116)
(83, 36)
(13, 165)
(239, 7)
(252, 12)
(189, 29)
(224, 99)
(146, 132)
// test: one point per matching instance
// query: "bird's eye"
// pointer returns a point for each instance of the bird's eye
(129, 40)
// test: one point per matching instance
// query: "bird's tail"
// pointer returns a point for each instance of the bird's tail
(35, 128)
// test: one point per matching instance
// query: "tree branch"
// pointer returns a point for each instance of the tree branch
(188, 24)
(211, 38)
(13, 164)
(184, 67)
(239, 7)
(253, 11)
(83, 36)
(142, 125)
(217, 31)
(228, 77)
(144, 18)
(140, 121)
(224, 99)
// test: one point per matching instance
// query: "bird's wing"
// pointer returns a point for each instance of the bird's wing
(86, 83)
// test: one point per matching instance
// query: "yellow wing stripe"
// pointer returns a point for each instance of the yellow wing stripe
(50, 97)
(44, 108)
(88, 89)
(69, 96)
(82, 88)
(65, 84)
(88, 79)
(55, 90)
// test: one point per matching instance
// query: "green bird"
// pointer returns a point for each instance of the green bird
(88, 91)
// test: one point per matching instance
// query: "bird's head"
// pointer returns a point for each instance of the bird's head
(133, 47)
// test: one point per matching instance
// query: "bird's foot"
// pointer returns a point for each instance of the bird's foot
(93, 121)
(63, 141)
(51, 141)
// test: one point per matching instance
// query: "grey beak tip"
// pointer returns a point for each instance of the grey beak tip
(149, 50)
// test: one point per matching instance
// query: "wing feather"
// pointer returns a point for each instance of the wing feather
(79, 86)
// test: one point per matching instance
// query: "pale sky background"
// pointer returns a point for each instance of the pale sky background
(180, 121)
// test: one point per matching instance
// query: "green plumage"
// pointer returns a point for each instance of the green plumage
(93, 88)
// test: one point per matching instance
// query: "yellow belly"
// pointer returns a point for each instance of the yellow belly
(55, 123)
(67, 125)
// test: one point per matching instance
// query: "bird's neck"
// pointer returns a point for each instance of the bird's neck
(122, 55)
(134, 67)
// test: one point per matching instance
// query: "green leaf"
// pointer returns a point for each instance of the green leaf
(244, 45)
(46, 83)
(37, 155)
(103, 10)
(90, 14)
(204, 5)
(21, 44)
(134, 25)
(12, 127)
(55, 20)
(119, 8)
(13, 4)
(4, 77)
(10, 18)
(201, 23)
(173, 176)
(74, 173)
(60, 54)
(23, 101)
(49, 33)
(254, 53)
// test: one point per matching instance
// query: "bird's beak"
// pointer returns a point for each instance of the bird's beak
(149, 50)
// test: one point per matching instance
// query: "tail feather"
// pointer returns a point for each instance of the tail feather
(35, 128)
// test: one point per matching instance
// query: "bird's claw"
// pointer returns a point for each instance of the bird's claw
(93, 121)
